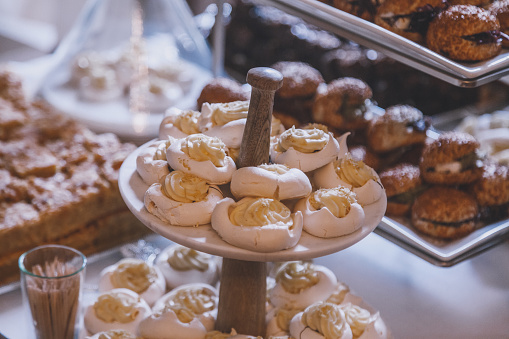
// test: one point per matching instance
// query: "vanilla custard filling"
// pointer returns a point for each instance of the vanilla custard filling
(186, 259)
(326, 319)
(295, 277)
(200, 147)
(260, 212)
(227, 112)
(116, 307)
(275, 168)
(303, 140)
(352, 172)
(358, 318)
(452, 167)
(134, 275)
(198, 300)
(187, 122)
(338, 200)
(185, 187)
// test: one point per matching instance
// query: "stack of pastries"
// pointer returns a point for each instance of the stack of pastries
(58, 182)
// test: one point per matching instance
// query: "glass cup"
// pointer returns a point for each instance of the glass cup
(52, 278)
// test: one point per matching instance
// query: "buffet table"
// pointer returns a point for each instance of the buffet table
(417, 299)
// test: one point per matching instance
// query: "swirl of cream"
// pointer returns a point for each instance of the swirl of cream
(284, 316)
(184, 259)
(357, 317)
(134, 275)
(196, 299)
(184, 314)
(226, 112)
(303, 140)
(185, 187)
(297, 276)
(353, 172)
(326, 319)
(338, 200)
(187, 121)
(252, 211)
(116, 307)
(312, 125)
(276, 168)
(202, 148)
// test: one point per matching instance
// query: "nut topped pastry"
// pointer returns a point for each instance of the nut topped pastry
(451, 159)
(465, 33)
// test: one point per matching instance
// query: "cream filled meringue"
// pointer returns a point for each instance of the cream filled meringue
(278, 321)
(321, 321)
(113, 334)
(225, 121)
(181, 265)
(151, 162)
(364, 325)
(356, 175)
(275, 181)
(257, 224)
(182, 199)
(331, 212)
(299, 284)
(179, 123)
(204, 156)
(136, 275)
(276, 127)
(120, 309)
(305, 149)
(198, 299)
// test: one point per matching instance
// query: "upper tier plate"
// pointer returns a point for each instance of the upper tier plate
(205, 239)
(401, 49)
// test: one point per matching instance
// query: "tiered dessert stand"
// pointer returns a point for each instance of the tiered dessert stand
(242, 295)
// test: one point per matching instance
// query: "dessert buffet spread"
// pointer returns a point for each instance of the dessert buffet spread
(177, 297)
(58, 182)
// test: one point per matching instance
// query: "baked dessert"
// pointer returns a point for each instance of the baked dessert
(451, 159)
(182, 199)
(402, 184)
(364, 154)
(305, 149)
(151, 163)
(221, 90)
(492, 192)
(257, 224)
(59, 182)
(480, 3)
(408, 18)
(444, 212)
(343, 104)
(178, 124)
(181, 265)
(331, 212)
(361, 179)
(296, 95)
(113, 334)
(271, 181)
(400, 126)
(117, 309)
(135, 275)
(465, 33)
(500, 9)
(363, 9)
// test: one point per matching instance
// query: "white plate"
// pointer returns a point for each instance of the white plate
(205, 239)
(373, 36)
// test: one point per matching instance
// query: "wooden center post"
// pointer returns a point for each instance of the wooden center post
(242, 294)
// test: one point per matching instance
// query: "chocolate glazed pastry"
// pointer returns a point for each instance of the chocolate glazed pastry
(465, 33)
(409, 18)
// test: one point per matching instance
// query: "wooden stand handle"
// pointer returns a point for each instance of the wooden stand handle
(242, 294)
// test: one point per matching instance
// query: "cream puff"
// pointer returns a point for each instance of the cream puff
(465, 33)
(182, 199)
(151, 163)
(356, 175)
(181, 265)
(225, 121)
(197, 299)
(305, 149)
(136, 275)
(321, 320)
(204, 156)
(331, 212)
(300, 284)
(179, 123)
(120, 309)
(257, 224)
(275, 181)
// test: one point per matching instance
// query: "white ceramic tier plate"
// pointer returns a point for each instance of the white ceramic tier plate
(205, 239)
(373, 36)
